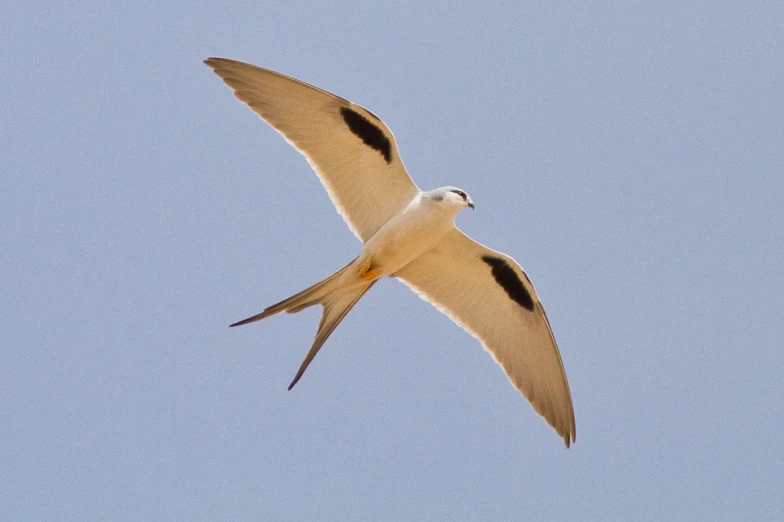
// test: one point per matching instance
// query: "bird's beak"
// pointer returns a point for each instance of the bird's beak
(470, 204)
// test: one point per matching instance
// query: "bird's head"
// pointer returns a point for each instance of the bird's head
(450, 197)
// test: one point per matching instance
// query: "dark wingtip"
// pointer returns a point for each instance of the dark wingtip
(569, 438)
(214, 62)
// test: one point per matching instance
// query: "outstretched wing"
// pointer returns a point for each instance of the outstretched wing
(352, 151)
(489, 295)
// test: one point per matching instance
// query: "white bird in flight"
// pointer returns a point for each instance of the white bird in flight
(407, 234)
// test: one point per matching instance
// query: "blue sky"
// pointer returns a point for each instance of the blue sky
(629, 155)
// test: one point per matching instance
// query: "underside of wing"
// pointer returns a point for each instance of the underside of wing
(490, 296)
(353, 152)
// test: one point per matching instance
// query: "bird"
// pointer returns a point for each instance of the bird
(407, 234)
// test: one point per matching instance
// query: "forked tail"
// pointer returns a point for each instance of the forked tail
(336, 307)
(308, 297)
(336, 303)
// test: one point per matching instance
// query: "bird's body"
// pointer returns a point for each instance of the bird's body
(407, 234)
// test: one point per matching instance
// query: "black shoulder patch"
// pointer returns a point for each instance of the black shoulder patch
(370, 135)
(507, 279)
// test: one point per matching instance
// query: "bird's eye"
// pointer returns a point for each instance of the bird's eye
(461, 194)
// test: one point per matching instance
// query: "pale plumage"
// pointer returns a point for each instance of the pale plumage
(407, 234)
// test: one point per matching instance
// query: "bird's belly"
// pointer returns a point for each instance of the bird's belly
(403, 241)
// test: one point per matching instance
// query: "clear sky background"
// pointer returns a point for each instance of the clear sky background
(627, 154)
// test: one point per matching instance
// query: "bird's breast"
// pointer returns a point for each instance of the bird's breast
(406, 237)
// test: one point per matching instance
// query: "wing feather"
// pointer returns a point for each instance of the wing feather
(469, 283)
(353, 152)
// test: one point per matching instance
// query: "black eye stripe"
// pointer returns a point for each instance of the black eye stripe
(461, 194)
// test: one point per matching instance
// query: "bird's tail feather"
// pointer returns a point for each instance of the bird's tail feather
(298, 302)
(337, 302)
(336, 307)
